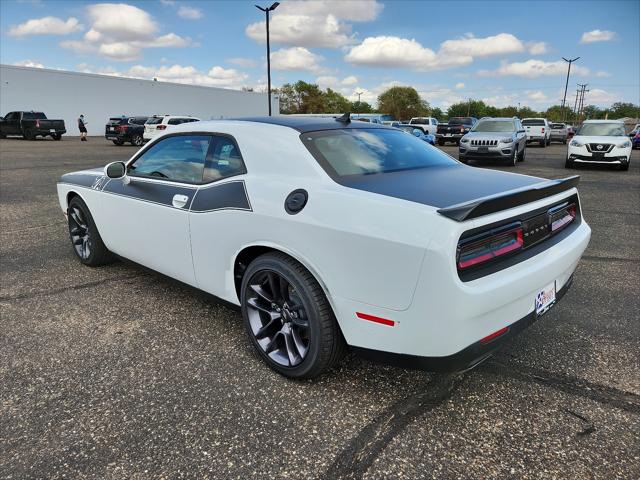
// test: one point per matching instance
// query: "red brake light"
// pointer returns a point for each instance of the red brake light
(161, 127)
(122, 128)
(542, 129)
(487, 248)
(563, 217)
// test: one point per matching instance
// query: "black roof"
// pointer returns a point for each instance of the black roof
(310, 124)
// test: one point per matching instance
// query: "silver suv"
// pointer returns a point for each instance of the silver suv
(496, 138)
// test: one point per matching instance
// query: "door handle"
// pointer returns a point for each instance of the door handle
(180, 201)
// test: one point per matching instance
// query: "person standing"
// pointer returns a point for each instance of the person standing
(82, 126)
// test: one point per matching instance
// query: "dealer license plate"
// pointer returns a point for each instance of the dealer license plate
(52, 130)
(483, 149)
(447, 134)
(545, 299)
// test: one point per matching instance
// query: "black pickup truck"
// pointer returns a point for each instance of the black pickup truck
(455, 129)
(30, 125)
(125, 129)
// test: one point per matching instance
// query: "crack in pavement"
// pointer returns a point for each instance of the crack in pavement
(360, 453)
(46, 293)
(597, 258)
(627, 401)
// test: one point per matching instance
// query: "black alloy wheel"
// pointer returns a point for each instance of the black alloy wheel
(86, 241)
(137, 140)
(288, 318)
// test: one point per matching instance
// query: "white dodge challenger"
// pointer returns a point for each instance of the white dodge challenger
(332, 234)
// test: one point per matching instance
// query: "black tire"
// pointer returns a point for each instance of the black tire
(522, 155)
(29, 134)
(463, 160)
(624, 166)
(568, 164)
(85, 238)
(564, 142)
(57, 136)
(118, 142)
(2, 135)
(512, 160)
(325, 344)
(440, 142)
(543, 143)
(137, 141)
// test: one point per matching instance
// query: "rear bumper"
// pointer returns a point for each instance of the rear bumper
(467, 358)
(452, 136)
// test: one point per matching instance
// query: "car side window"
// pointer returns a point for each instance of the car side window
(224, 160)
(180, 158)
(175, 121)
(434, 121)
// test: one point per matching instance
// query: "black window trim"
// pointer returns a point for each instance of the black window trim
(188, 134)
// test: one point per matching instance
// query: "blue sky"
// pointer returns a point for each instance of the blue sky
(504, 52)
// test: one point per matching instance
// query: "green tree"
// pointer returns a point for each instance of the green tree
(437, 113)
(526, 112)
(334, 102)
(556, 113)
(361, 107)
(470, 108)
(591, 112)
(402, 102)
(624, 109)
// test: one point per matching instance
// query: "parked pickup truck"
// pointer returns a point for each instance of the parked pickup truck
(125, 129)
(455, 129)
(428, 125)
(31, 125)
(538, 130)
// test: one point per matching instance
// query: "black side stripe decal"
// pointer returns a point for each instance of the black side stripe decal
(231, 195)
(82, 179)
(159, 193)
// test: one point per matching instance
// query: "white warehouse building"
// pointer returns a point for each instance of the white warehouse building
(65, 95)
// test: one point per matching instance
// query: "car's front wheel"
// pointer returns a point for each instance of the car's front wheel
(86, 241)
(522, 155)
(288, 317)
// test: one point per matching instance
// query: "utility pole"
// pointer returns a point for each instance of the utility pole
(468, 107)
(266, 11)
(575, 105)
(566, 85)
(583, 90)
(358, 107)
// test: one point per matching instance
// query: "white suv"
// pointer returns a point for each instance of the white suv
(160, 123)
(537, 130)
(600, 141)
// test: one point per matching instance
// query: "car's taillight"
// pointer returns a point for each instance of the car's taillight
(486, 247)
(122, 128)
(542, 129)
(161, 127)
(38, 123)
(462, 129)
(562, 216)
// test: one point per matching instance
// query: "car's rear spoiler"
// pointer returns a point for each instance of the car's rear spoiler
(503, 201)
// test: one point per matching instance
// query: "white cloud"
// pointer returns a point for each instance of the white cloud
(121, 32)
(29, 63)
(537, 48)
(536, 96)
(45, 26)
(349, 81)
(597, 36)
(501, 44)
(189, 13)
(459, 85)
(216, 76)
(501, 100)
(602, 74)
(243, 62)
(597, 96)
(296, 59)
(395, 52)
(318, 23)
(169, 3)
(532, 69)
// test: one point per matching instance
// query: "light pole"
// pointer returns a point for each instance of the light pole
(358, 108)
(564, 99)
(266, 13)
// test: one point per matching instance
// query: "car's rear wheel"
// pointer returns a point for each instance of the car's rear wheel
(288, 318)
(57, 136)
(118, 142)
(137, 140)
(86, 241)
(29, 134)
(543, 143)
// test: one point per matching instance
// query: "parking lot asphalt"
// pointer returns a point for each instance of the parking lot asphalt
(119, 372)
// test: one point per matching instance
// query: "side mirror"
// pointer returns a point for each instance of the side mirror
(115, 170)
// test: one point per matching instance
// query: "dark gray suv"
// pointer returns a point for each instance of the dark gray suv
(495, 138)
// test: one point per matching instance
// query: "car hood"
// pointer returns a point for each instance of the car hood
(600, 138)
(440, 186)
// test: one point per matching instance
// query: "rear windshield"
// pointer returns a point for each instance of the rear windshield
(460, 121)
(533, 121)
(364, 151)
(34, 116)
(154, 121)
(601, 129)
(557, 126)
(418, 121)
(495, 126)
(117, 120)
